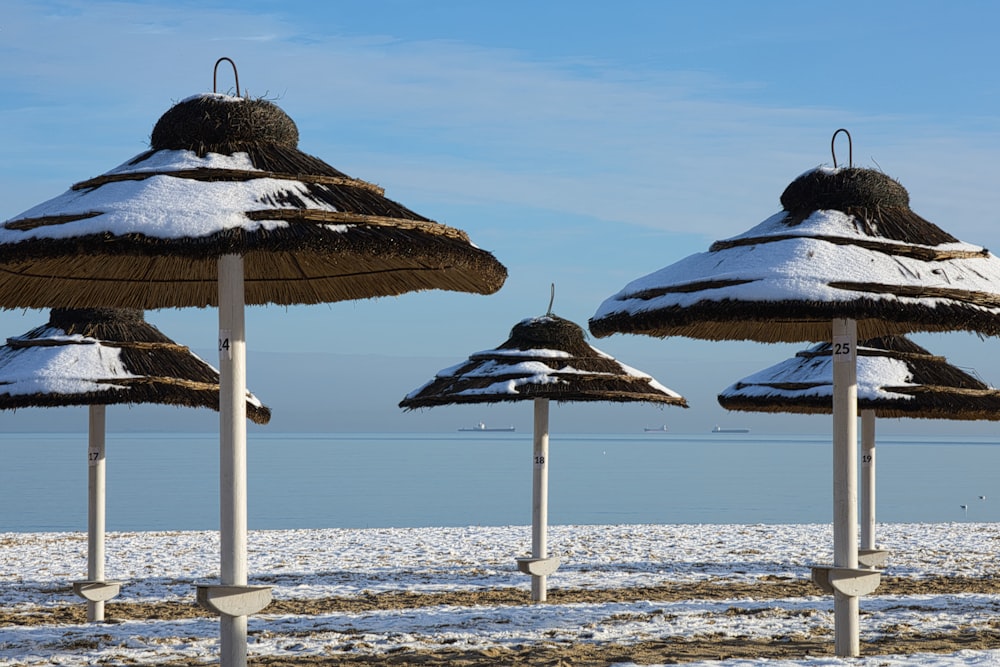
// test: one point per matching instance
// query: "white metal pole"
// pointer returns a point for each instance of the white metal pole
(232, 452)
(540, 495)
(868, 479)
(845, 481)
(96, 490)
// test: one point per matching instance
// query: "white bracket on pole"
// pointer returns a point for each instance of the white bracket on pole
(97, 591)
(233, 600)
(538, 567)
(848, 581)
(873, 558)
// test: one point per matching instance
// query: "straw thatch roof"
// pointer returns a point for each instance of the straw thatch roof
(895, 378)
(545, 357)
(106, 357)
(845, 245)
(224, 176)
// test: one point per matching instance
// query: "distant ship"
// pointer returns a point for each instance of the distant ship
(656, 429)
(719, 429)
(483, 428)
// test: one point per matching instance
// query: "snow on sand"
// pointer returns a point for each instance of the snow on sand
(37, 569)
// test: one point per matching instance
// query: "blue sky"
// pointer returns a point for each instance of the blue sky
(584, 144)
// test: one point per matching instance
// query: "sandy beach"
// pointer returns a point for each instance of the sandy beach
(624, 594)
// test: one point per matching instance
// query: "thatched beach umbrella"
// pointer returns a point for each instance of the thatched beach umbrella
(544, 359)
(107, 356)
(225, 210)
(101, 357)
(896, 378)
(845, 256)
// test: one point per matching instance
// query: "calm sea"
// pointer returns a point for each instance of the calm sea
(170, 481)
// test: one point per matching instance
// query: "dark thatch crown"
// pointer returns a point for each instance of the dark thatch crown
(880, 204)
(841, 189)
(74, 320)
(550, 332)
(222, 124)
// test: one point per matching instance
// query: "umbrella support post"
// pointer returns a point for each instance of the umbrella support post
(845, 485)
(854, 572)
(232, 466)
(95, 590)
(539, 566)
(868, 554)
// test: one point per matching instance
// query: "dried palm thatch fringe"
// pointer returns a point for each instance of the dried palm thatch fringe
(926, 403)
(168, 373)
(939, 390)
(338, 238)
(298, 264)
(582, 374)
(797, 321)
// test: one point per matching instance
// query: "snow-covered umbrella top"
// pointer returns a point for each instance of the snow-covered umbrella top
(845, 245)
(106, 357)
(896, 378)
(544, 357)
(224, 176)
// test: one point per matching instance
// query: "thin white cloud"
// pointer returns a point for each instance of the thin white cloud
(581, 136)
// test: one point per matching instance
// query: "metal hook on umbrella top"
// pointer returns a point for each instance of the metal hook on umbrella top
(215, 75)
(833, 147)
